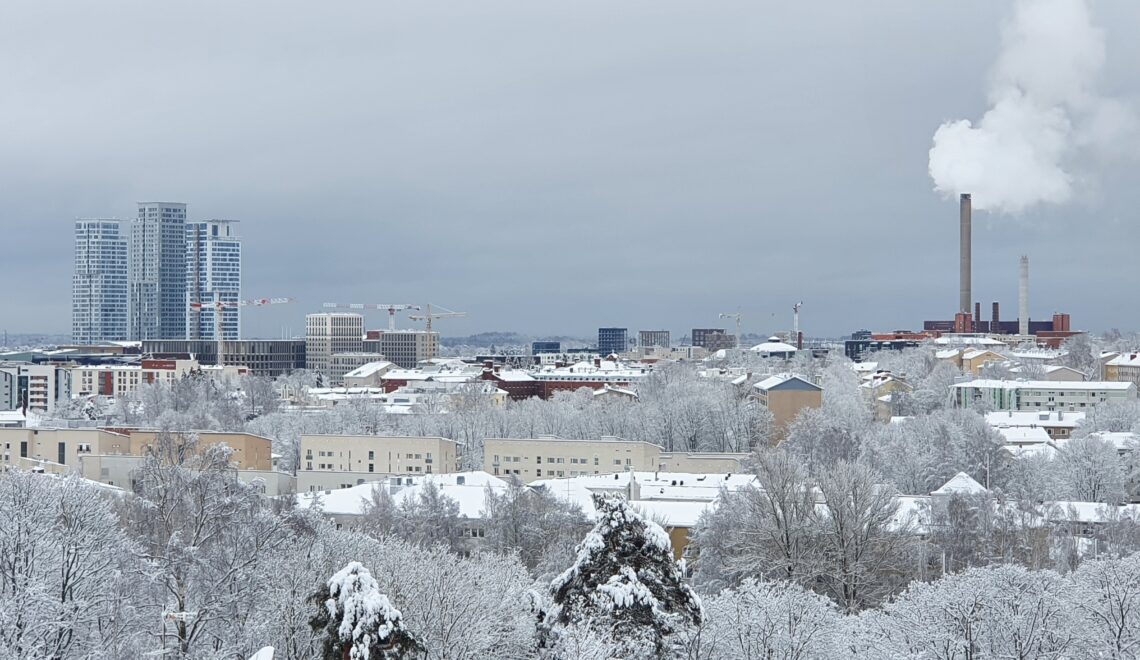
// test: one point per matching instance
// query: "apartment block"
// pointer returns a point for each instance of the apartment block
(38, 387)
(531, 459)
(1029, 395)
(99, 291)
(341, 461)
(612, 341)
(344, 363)
(1123, 368)
(156, 272)
(213, 275)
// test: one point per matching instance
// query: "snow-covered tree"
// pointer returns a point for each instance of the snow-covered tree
(1003, 612)
(540, 527)
(1091, 471)
(864, 550)
(766, 620)
(624, 585)
(63, 592)
(358, 621)
(1107, 594)
(763, 531)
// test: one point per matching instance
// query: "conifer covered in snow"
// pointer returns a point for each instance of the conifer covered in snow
(624, 586)
(359, 622)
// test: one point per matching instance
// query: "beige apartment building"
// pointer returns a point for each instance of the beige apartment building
(1123, 369)
(531, 459)
(786, 396)
(341, 461)
(111, 455)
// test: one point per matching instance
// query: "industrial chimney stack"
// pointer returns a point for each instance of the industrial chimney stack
(1023, 299)
(966, 295)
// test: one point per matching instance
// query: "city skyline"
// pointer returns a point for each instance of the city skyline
(697, 160)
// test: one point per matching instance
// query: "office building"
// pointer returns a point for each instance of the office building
(213, 275)
(99, 300)
(545, 347)
(713, 339)
(403, 348)
(263, 357)
(612, 341)
(653, 338)
(328, 333)
(156, 272)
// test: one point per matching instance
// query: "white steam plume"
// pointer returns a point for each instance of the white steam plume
(1044, 113)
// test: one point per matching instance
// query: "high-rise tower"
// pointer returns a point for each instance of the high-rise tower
(99, 286)
(157, 272)
(213, 275)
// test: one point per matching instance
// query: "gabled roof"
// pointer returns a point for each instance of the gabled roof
(961, 484)
(775, 382)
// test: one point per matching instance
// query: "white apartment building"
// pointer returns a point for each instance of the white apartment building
(40, 386)
(156, 272)
(1044, 395)
(530, 459)
(115, 380)
(328, 333)
(213, 275)
(341, 461)
(99, 300)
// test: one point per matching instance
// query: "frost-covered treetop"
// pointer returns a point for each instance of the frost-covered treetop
(624, 581)
(367, 618)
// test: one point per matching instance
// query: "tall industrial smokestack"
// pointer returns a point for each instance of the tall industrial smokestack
(1023, 299)
(966, 295)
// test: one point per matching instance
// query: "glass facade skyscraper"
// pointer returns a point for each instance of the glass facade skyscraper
(99, 300)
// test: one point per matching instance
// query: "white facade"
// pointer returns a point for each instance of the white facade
(213, 275)
(156, 272)
(329, 333)
(1042, 395)
(99, 300)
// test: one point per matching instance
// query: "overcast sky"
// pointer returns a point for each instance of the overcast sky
(547, 167)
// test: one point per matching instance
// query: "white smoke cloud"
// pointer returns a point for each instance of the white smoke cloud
(1044, 114)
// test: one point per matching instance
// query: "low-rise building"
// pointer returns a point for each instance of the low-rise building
(550, 457)
(342, 461)
(1043, 395)
(1057, 424)
(1124, 368)
(344, 363)
(786, 396)
(369, 374)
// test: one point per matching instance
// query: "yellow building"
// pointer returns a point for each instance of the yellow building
(974, 359)
(786, 396)
(549, 457)
(1123, 368)
(341, 461)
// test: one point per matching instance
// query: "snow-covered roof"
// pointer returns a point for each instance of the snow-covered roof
(514, 376)
(947, 353)
(976, 353)
(469, 495)
(1024, 435)
(773, 345)
(1125, 360)
(672, 514)
(865, 367)
(961, 483)
(1023, 451)
(1046, 384)
(1089, 512)
(370, 369)
(967, 340)
(1122, 440)
(779, 379)
(610, 389)
(1047, 419)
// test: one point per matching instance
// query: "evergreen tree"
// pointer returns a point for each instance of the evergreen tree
(624, 586)
(358, 621)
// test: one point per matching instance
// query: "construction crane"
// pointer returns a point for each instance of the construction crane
(734, 315)
(445, 314)
(392, 309)
(230, 304)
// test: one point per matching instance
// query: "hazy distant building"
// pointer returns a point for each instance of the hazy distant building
(612, 340)
(652, 338)
(156, 272)
(329, 333)
(545, 347)
(213, 275)
(99, 300)
(702, 336)
(263, 357)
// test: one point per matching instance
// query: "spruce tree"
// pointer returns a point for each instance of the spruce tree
(624, 586)
(358, 622)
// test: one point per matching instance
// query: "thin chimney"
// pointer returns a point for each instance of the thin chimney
(965, 219)
(1023, 298)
